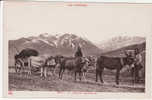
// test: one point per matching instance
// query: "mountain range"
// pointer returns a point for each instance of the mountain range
(59, 44)
(66, 44)
(119, 42)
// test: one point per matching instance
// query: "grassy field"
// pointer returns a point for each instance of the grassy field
(23, 82)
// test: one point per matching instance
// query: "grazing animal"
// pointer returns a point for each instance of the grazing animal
(112, 63)
(77, 65)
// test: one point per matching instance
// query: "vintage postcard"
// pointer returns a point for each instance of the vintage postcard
(77, 49)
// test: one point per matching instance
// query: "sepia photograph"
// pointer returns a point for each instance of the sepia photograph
(76, 48)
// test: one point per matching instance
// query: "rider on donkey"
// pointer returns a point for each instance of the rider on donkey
(78, 52)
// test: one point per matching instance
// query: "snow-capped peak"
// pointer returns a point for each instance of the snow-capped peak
(66, 40)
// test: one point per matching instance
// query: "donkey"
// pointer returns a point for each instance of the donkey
(112, 63)
(77, 65)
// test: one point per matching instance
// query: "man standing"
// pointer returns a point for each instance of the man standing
(78, 52)
(138, 64)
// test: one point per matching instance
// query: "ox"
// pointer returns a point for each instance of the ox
(112, 63)
(77, 65)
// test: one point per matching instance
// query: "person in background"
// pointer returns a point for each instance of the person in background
(138, 65)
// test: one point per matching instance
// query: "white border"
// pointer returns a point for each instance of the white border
(66, 94)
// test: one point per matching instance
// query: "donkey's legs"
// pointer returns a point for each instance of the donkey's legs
(29, 66)
(75, 75)
(45, 71)
(97, 73)
(54, 70)
(100, 74)
(84, 75)
(117, 76)
(22, 70)
(80, 74)
(22, 67)
(16, 68)
(41, 69)
(60, 73)
(133, 75)
(29, 70)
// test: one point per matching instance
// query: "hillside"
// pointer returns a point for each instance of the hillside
(119, 52)
(120, 42)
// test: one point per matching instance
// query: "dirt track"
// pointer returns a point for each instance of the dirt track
(18, 82)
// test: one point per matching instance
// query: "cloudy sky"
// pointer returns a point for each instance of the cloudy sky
(97, 22)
